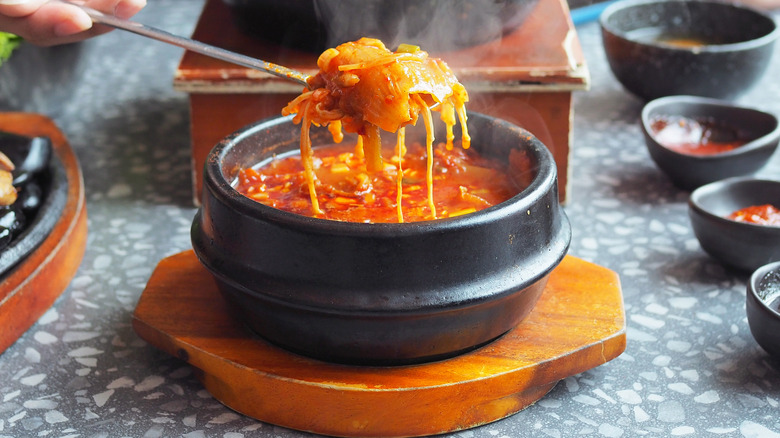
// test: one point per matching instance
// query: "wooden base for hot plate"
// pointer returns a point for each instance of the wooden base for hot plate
(32, 285)
(578, 324)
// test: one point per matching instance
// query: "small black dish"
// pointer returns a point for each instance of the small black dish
(763, 307)
(719, 122)
(707, 48)
(42, 187)
(740, 245)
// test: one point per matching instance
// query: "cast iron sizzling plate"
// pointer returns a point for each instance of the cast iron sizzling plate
(49, 174)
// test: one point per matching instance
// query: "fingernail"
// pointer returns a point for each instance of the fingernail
(71, 27)
(127, 9)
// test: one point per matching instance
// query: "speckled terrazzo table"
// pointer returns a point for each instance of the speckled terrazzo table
(691, 367)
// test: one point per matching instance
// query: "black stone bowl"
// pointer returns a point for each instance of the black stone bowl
(759, 129)
(763, 314)
(435, 25)
(739, 245)
(380, 294)
(42, 185)
(739, 45)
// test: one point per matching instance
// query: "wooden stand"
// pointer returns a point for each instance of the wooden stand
(527, 78)
(32, 286)
(578, 324)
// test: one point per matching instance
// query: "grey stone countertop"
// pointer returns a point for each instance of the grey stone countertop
(690, 368)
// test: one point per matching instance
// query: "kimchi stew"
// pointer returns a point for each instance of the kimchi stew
(364, 88)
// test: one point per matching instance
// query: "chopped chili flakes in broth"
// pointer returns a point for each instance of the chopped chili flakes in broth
(464, 182)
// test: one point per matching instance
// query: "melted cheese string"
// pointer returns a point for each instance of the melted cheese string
(400, 148)
(428, 121)
(307, 158)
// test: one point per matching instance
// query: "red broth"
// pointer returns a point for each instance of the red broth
(464, 182)
(694, 137)
(766, 214)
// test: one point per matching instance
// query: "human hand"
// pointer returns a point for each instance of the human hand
(48, 23)
(770, 5)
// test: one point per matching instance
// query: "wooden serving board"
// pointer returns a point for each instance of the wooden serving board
(578, 324)
(32, 286)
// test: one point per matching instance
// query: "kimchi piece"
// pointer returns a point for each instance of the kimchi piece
(364, 88)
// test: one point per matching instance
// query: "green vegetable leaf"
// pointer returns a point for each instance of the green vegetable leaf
(8, 42)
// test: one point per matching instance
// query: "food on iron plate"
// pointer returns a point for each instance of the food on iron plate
(20, 185)
(363, 88)
(7, 190)
(9, 218)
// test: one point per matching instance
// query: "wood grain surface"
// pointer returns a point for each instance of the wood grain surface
(578, 324)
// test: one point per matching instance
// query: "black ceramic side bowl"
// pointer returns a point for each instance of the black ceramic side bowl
(740, 245)
(762, 301)
(381, 294)
(761, 130)
(739, 45)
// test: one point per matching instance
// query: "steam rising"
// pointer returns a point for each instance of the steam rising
(434, 25)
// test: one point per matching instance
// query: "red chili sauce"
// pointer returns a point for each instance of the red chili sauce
(694, 137)
(463, 182)
(758, 214)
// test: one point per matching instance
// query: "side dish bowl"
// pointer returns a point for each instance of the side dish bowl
(724, 122)
(705, 48)
(740, 245)
(763, 313)
(379, 293)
